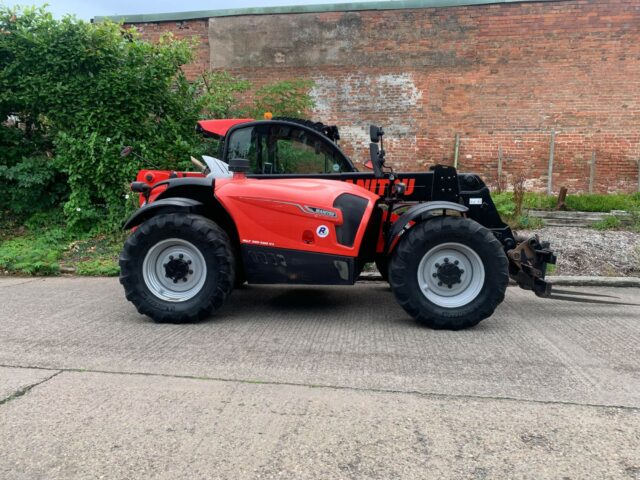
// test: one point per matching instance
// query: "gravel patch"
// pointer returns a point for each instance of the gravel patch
(584, 251)
(588, 252)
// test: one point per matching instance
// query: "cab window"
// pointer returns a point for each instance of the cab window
(285, 149)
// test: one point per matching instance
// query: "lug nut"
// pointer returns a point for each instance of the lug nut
(437, 265)
(188, 262)
(456, 262)
(164, 265)
(181, 256)
(434, 275)
(461, 272)
(175, 280)
(449, 285)
(184, 279)
(439, 284)
(170, 257)
(190, 272)
(446, 260)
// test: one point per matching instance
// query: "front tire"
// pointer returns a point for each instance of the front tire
(449, 273)
(177, 268)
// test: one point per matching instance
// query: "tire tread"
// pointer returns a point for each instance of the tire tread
(219, 246)
(405, 256)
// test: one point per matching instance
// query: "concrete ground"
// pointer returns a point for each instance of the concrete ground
(315, 383)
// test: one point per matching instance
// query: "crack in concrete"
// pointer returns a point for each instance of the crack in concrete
(24, 390)
(31, 280)
(453, 396)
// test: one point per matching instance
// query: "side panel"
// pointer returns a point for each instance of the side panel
(298, 214)
(275, 266)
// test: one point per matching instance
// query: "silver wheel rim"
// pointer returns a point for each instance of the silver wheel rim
(470, 282)
(155, 274)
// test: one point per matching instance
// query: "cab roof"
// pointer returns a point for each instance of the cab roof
(219, 128)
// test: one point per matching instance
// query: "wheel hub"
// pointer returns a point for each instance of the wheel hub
(448, 273)
(177, 268)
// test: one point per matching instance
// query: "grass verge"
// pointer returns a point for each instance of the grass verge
(43, 245)
(582, 202)
(506, 206)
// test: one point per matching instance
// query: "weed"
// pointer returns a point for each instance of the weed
(607, 223)
(44, 243)
(518, 193)
(33, 254)
(95, 256)
(579, 202)
(504, 203)
(603, 203)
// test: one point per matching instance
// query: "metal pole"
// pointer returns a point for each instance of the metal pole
(552, 148)
(456, 151)
(592, 171)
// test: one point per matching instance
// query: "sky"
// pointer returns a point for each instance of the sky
(88, 9)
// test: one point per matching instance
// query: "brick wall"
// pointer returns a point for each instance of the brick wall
(502, 76)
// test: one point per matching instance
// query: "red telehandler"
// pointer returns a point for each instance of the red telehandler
(284, 205)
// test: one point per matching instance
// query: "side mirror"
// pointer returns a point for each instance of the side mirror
(126, 151)
(376, 160)
(375, 133)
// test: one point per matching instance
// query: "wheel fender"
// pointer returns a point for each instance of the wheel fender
(166, 205)
(419, 213)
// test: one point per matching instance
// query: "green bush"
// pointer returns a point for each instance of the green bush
(504, 203)
(72, 94)
(222, 95)
(86, 90)
(79, 92)
(29, 180)
(288, 98)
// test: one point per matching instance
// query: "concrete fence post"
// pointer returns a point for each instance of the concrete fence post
(456, 151)
(499, 163)
(592, 171)
(552, 147)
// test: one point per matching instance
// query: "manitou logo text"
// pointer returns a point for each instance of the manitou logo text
(377, 185)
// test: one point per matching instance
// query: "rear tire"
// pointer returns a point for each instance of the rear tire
(177, 268)
(449, 273)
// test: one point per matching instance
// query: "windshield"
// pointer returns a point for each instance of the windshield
(285, 149)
